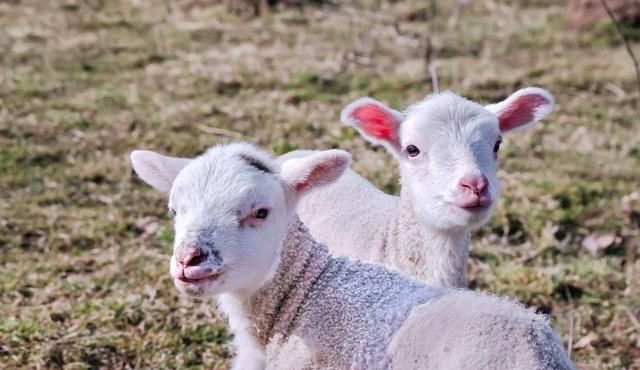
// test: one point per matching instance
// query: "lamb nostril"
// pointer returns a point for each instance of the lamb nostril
(469, 184)
(476, 184)
(196, 260)
(194, 257)
(482, 187)
(466, 186)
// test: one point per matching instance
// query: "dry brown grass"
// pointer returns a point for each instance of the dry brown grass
(83, 279)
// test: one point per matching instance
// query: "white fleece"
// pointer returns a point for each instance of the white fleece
(364, 223)
(361, 316)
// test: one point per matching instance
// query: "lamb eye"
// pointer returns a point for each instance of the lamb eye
(497, 146)
(413, 150)
(172, 211)
(262, 213)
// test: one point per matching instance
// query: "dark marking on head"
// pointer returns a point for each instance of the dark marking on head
(217, 258)
(251, 161)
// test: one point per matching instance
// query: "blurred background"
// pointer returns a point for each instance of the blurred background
(84, 245)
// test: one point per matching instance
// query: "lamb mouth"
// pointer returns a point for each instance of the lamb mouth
(477, 208)
(205, 279)
(479, 205)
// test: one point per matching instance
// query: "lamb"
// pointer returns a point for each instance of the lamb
(237, 236)
(447, 148)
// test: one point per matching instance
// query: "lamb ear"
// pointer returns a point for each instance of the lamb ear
(157, 170)
(305, 173)
(523, 108)
(378, 123)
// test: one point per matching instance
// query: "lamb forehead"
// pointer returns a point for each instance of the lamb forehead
(446, 113)
(244, 152)
(222, 167)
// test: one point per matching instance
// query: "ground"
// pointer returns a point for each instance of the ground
(85, 245)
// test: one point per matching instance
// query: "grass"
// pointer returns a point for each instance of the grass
(85, 245)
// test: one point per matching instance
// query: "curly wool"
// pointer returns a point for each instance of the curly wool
(323, 313)
(465, 330)
(389, 233)
(457, 330)
(346, 311)
(442, 263)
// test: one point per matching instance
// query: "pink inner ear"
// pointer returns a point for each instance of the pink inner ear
(312, 179)
(320, 174)
(376, 122)
(521, 111)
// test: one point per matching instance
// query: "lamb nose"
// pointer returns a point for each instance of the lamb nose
(193, 257)
(476, 184)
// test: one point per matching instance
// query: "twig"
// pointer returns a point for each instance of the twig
(633, 249)
(429, 52)
(627, 44)
(457, 11)
(219, 132)
(262, 7)
(535, 254)
(434, 76)
(571, 329)
(632, 317)
(76, 337)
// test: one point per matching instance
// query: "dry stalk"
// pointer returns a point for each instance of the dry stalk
(217, 131)
(262, 7)
(634, 320)
(457, 11)
(627, 44)
(429, 52)
(433, 66)
(571, 330)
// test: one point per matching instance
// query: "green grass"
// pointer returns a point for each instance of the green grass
(85, 245)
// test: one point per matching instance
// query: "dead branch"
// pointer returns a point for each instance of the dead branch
(434, 76)
(457, 11)
(571, 329)
(627, 44)
(429, 52)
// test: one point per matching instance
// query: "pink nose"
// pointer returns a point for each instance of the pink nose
(477, 184)
(191, 256)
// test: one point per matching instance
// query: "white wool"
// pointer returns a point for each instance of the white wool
(422, 232)
(459, 330)
(274, 281)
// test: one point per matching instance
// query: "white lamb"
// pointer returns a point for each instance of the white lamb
(447, 148)
(237, 236)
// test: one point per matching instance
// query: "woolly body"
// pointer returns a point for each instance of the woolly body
(456, 329)
(332, 304)
(389, 233)
(459, 330)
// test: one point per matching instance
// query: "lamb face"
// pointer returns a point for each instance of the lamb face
(231, 214)
(449, 161)
(447, 147)
(232, 211)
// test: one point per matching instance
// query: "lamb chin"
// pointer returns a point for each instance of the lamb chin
(190, 288)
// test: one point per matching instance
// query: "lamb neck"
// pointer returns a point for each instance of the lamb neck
(434, 256)
(275, 307)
